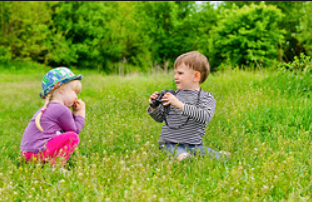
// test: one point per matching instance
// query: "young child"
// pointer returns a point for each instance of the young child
(188, 112)
(52, 133)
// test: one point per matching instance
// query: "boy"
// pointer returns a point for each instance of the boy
(186, 113)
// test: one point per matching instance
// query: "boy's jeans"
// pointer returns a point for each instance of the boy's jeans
(200, 150)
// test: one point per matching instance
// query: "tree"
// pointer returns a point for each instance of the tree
(159, 20)
(305, 28)
(293, 12)
(5, 54)
(205, 18)
(247, 36)
(193, 31)
(88, 39)
(174, 28)
(25, 29)
(100, 35)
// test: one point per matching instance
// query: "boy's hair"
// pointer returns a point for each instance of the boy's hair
(71, 84)
(196, 61)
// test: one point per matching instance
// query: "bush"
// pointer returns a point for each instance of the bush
(302, 64)
(5, 54)
(247, 36)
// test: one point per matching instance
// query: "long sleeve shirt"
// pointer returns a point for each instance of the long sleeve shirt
(56, 118)
(187, 126)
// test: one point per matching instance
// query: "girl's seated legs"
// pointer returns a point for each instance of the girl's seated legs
(58, 148)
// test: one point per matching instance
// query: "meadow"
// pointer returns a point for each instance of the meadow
(262, 117)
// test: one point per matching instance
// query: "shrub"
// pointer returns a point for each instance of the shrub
(247, 36)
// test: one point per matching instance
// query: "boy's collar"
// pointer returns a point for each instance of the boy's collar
(194, 90)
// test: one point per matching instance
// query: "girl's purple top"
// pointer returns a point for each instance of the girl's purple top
(56, 118)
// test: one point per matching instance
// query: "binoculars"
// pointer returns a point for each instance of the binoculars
(158, 101)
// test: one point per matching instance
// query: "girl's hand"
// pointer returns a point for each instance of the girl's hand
(173, 100)
(79, 108)
(79, 105)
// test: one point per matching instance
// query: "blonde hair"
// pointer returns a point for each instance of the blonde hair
(49, 97)
(196, 61)
(38, 117)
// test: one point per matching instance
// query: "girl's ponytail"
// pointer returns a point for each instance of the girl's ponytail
(46, 102)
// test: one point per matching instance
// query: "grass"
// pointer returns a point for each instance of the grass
(265, 125)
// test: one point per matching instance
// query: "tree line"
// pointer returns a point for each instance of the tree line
(144, 35)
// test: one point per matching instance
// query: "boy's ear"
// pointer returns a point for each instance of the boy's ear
(197, 76)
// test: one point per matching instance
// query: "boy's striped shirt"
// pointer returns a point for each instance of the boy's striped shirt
(199, 116)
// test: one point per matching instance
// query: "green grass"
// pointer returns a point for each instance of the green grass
(265, 125)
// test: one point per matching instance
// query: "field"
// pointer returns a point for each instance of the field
(262, 118)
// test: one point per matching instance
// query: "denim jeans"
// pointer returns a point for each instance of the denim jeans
(200, 150)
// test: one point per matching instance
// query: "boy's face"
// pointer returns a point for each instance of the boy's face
(186, 78)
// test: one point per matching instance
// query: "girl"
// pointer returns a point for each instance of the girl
(53, 131)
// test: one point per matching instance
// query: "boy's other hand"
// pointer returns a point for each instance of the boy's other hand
(153, 97)
(173, 100)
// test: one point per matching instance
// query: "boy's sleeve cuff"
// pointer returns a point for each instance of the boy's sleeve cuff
(155, 111)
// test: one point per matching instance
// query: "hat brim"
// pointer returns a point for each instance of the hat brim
(45, 92)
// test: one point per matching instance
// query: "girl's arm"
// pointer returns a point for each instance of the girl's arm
(70, 122)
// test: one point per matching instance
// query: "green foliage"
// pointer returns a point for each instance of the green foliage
(85, 26)
(161, 20)
(25, 30)
(247, 36)
(198, 27)
(101, 35)
(5, 55)
(122, 37)
(175, 28)
(302, 63)
(293, 12)
(305, 28)
(134, 42)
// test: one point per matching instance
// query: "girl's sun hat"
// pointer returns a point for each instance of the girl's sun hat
(56, 77)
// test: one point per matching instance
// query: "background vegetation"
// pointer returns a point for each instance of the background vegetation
(123, 37)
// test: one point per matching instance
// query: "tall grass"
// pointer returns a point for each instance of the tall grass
(264, 124)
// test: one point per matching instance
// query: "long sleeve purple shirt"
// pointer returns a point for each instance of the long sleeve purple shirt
(56, 117)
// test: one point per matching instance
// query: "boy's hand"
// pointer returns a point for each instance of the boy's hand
(153, 97)
(173, 100)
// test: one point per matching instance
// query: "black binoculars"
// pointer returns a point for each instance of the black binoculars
(158, 101)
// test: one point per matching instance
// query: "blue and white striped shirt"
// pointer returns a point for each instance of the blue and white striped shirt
(197, 113)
